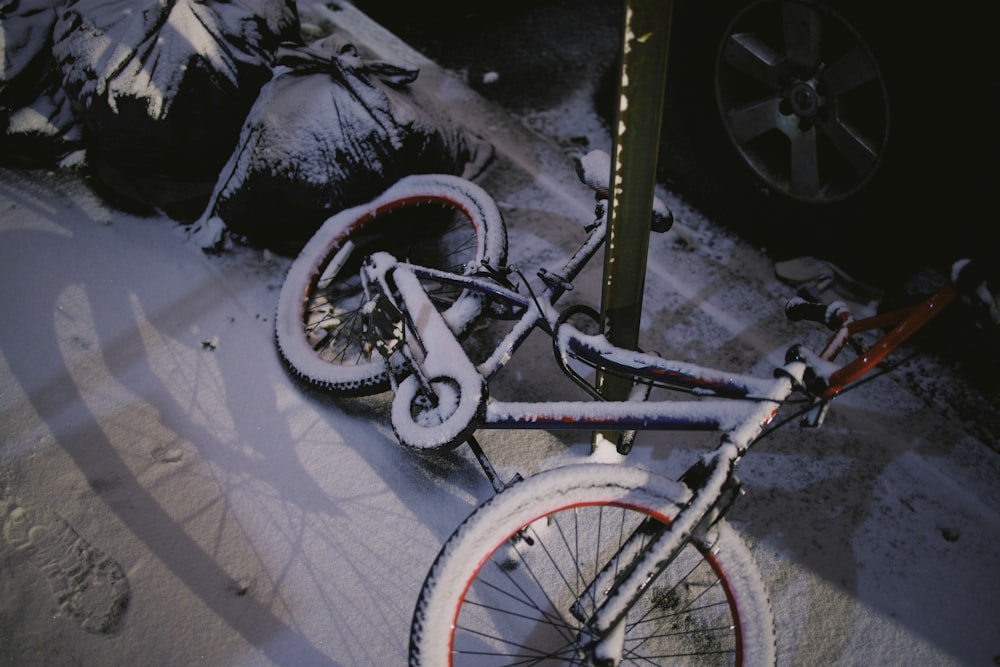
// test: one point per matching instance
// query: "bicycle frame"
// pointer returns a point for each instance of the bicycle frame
(713, 479)
(905, 322)
(739, 406)
(540, 311)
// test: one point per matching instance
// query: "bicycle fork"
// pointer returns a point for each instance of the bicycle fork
(649, 550)
(714, 487)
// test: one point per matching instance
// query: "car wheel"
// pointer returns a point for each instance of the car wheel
(780, 119)
(802, 100)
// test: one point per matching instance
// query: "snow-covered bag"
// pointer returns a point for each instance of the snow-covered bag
(25, 49)
(42, 134)
(37, 126)
(162, 88)
(329, 131)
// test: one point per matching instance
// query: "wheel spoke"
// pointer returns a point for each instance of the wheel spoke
(854, 148)
(751, 56)
(848, 72)
(805, 176)
(753, 120)
(803, 32)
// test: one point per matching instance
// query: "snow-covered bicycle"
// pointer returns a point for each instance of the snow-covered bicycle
(591, 563)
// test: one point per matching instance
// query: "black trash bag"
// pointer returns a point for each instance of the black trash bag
(26, 53)
(162, 88)
(37, 126)
(329, 131)
(43, 134)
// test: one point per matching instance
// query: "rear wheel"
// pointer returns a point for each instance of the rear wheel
(508, 586)
(438, 221)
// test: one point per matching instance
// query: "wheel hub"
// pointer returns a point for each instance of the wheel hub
(804, 99)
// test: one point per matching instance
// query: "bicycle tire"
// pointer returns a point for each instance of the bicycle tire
(318, 321)
(490, 600)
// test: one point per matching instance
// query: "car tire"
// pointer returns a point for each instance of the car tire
(848, 207)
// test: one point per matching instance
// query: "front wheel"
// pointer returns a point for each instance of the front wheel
(433, 220)
(508, 586)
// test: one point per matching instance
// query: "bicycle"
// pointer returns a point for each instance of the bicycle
(665, 575)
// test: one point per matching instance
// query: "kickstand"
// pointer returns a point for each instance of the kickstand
(491, 472)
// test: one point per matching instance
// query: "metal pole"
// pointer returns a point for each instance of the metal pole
(645, 44)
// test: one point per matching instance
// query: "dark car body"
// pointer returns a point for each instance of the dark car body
(859, 132)
(850, 130)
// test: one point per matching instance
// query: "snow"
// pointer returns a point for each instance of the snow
(142, 50)
(261, 523)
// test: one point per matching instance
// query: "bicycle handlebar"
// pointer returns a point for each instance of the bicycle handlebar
(594, 169)
(833, 316)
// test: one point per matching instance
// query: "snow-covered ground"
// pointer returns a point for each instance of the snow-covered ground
(171, 496)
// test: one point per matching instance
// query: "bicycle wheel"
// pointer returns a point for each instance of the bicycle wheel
(503, 586)
(318, 322)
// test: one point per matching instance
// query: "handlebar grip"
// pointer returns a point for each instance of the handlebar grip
(832, 316)
(969, 278)
(978, 287)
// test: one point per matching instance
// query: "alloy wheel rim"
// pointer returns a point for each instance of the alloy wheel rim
(802, 100)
